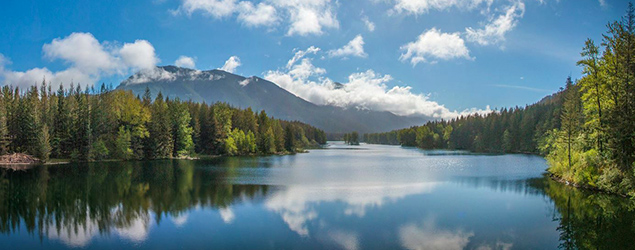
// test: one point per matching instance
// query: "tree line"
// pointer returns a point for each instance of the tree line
(514, 130)
(586, 130)
(90, 124)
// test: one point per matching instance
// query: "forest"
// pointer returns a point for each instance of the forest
(91, 125)
(586, 131)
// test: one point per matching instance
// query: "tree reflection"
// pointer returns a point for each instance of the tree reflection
(102, 197)
(591, 220)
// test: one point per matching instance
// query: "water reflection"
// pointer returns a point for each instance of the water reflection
(427, 236)
(75, 203)
(296, 203)
(590, 220)
(289, 202)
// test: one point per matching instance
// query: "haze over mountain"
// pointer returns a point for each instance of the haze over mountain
(220, 86)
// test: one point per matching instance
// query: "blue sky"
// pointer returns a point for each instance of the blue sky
(443, 55)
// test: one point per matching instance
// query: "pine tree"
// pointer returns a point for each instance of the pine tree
(571, 117)
(161, 142)
(289, 138)
(181, 130)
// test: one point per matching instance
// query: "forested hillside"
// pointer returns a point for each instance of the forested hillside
(586, 131)
(90, 124)
(514, 130)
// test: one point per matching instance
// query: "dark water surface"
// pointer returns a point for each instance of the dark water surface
(366, 197)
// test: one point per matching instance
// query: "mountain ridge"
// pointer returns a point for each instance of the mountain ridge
(216, 85)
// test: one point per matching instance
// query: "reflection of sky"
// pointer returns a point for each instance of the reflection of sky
(386, 197)
(428, 236)
(80, 234)
(295, 203)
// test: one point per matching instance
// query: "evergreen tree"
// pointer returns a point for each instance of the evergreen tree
(571, 117)
(289, 138)
(161, 144)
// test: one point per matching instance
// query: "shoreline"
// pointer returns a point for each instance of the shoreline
(559, 179)
(55, 161)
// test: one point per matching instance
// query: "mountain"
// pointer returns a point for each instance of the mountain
(219, 86)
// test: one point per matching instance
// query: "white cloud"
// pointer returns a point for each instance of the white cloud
(417, 7)
(433, 44)
(231, 64)
(494, 32)
(308, 17)
(364, 90)
(369, 25)
(83, 51)
(260, 15)
(245, 82)
(185, 62)
(215, 8)
(88, 61)
(300, 54)
(139, 55)
(305, 17)
(603, 3)
(354, 48)
(149, 75)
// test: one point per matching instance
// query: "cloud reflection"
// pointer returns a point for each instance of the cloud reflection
(427, 236)
(296, 203)
(81, 233)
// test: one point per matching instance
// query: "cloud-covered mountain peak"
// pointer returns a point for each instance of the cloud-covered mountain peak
(174, 73)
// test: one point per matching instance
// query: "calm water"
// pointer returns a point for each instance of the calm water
(366, 197)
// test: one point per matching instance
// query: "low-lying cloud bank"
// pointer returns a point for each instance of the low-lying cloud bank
(364, 90)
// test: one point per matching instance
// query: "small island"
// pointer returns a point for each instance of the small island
(352, 138)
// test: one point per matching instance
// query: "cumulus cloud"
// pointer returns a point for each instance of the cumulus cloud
(494, 31)
(258, 15)
(305, 17)
(417, 7)
(432, 45)
(88, 61)
(354, 48)
(185, 62)
(369, 25)
(81, 50)
(308, 17)
(139, 54)
(215, 8)
(231, 64)
(363, 90)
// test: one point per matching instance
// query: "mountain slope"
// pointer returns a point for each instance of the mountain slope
(219, 86)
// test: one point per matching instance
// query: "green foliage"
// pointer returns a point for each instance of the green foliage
(181, 130)
(289, 139)
(352, 138)
(122, 148)
(160, 142)
(100, 150)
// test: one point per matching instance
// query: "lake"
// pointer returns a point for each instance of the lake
(341, 197)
